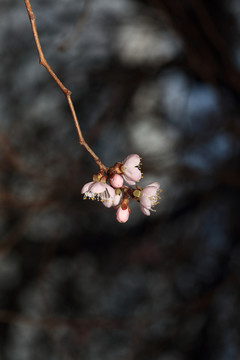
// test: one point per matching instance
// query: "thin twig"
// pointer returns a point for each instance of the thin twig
(66, 92)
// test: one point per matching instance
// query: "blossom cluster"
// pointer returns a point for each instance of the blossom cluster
(110, 189)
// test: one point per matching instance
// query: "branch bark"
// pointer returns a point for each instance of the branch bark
(66, 92)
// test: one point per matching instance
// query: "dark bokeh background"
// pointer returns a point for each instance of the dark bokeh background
(154, 77)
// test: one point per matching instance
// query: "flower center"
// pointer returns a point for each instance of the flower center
(137, 193)
(154, 198)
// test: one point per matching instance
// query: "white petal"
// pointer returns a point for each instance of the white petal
(110, 190)
(108, 203)
(132, 160)
(97, 187)
(144, 210)
(154, 184)
(86, 187)
(133, 173)
(117, 199)
(145, 201)
(128, 180)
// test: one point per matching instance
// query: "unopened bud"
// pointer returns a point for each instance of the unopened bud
(116, 181)
(122, 215)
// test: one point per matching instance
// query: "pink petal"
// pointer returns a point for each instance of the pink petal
(132, 160)
(144, 210)
(122, 215)
(117, 199)
(133, 173)
(97, 187)
(154, 184)
(149, 196)
(85, 187)
(128, 180)
(149, 191)
(145, 202)
(110, 190)
(108, 203)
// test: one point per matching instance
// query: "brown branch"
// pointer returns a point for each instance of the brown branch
(66, 92)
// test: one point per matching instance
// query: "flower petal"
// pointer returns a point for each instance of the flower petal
(122, 215)
(108, 203)
(110, 190)
(97, 187)
(128, 180)
(133, 173)
(146, 202)
(117, 199)
(85, 187)
(132, 160)
(154, 184)
(144, 210)
(148, 196)
(149, 191)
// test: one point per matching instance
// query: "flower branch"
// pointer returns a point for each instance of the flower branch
(108, 184)
(66, 92)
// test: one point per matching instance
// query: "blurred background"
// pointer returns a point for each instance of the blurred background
(154, 77)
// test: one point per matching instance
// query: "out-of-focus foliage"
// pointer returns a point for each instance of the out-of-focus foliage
(154, 77)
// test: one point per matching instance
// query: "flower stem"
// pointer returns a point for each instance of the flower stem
(66, 92)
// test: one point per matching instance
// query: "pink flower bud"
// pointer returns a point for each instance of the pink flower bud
(116, 181)
(122, 215)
